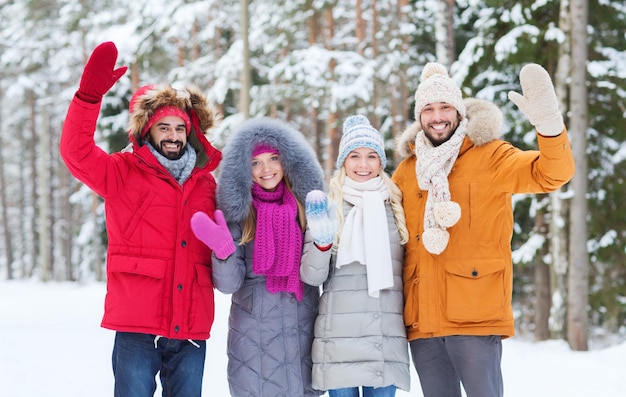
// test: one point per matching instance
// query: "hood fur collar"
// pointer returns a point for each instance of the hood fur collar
(485, 122)
(202, 114)
(300, 164)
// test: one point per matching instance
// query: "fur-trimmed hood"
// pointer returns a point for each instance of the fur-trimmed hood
(202, 115)
(300, 164)
(484, 124)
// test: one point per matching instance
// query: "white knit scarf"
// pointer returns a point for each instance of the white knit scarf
(433, 166)
(365, 234)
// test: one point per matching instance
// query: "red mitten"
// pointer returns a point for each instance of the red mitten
(214, 234)
(99, 75)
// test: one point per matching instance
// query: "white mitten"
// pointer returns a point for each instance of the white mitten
(538, 102)
(320, 218)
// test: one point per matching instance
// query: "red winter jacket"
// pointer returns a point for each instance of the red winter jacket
(159, 274)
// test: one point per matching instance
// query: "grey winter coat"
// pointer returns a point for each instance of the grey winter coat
(270, 334)
(359, 340)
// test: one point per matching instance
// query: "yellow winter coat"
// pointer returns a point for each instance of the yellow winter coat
(467, 289)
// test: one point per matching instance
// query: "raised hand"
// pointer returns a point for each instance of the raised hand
(538, 102)
(99, 74)
(320, 218)
(215, 235)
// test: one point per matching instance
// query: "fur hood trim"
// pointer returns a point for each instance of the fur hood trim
(300, 164)
(484, 124)
(202, 115)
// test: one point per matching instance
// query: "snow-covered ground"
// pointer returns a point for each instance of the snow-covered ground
(52, 346)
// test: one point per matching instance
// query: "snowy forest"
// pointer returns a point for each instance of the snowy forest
(312, 63)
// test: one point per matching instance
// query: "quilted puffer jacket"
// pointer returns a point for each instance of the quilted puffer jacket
(158, 272)
(359, 340)
(269, 334)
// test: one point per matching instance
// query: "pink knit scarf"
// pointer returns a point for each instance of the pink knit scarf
(278, 240)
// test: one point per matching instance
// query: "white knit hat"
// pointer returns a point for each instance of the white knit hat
(437, 86)
(358, 132)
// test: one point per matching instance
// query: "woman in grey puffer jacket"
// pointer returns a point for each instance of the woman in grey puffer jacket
(266, 172)
(357, 253)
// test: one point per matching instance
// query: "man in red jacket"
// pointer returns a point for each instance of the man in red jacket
(159, 291)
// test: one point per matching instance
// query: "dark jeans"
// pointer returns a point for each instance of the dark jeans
(137, 358)
(444, 363)
(387, 391)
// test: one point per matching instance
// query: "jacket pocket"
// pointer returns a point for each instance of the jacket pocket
(475, 292)
(411, 294)
(202, 302)
(135, 291)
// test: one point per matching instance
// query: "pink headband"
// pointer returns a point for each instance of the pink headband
(263, 148)
(165, 111)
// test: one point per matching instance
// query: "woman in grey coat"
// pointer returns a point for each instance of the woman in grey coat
(356, 253)
(266, 172)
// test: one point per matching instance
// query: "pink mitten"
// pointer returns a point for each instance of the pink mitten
(214, 234)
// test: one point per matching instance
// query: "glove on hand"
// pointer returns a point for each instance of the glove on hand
(214, 234)
(539, 101)
(99, 76)
(320, 218)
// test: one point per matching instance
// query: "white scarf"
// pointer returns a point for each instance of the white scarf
(433, 166)
(365, 239)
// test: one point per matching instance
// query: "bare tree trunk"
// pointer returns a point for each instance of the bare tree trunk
(399, 92)
(378, 86)
(59, 269)
(313, 24)
(65, 223)
(444, 32)
(23, 236)
(334, 134)
(577, 320)
(542, 284)
(244, 98)
(360, 27)
(44, 201)
(8, 247)
(542, 301)
(134, 76)
(97, 240)
(195, 47)
(33, 240)
(558, 207)
(180, 51)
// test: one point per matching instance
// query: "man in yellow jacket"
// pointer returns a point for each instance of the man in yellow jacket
(457, 179)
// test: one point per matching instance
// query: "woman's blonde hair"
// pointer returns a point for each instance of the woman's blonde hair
(335, 194)
(249, 224)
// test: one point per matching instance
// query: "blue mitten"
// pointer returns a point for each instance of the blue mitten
(321, 218)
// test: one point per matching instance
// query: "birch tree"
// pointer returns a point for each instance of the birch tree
(577, 320)
(444, 32)
(244, 98)
(559, 207)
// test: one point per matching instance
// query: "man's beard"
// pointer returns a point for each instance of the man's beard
(166, 153)
(436, 142)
